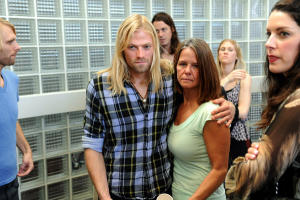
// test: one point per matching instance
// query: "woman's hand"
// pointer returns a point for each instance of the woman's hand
(252, 151)
(235, 75)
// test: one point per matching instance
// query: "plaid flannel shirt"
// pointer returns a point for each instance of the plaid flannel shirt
(131, 136)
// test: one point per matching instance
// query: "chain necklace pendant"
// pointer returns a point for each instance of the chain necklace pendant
(144, 100)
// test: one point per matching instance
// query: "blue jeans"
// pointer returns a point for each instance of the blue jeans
(10, 191)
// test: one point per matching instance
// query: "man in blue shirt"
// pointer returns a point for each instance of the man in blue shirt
(11, 133)
(129, 109)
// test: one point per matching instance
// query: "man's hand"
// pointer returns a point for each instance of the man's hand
(252, 151)
(225, 113)
(27, 165)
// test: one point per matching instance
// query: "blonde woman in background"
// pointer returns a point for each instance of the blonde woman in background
(237, 84)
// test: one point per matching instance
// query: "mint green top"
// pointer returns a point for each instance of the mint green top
(191, 161)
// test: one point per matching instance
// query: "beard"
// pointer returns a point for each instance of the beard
(140, 66)
(7, 61)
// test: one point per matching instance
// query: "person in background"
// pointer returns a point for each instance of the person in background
(271, 169)
(200, 146)
(129, 110)
(11, 134)
(237, 84)
(167, 34)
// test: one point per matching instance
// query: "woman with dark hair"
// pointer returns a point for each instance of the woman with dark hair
(271, 168)
(200, 146)
(167, 34)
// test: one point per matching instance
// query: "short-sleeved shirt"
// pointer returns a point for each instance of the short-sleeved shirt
(8, 119)
(191, 161)
(131, 135)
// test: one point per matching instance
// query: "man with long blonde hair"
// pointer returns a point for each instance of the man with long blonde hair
(129, 109)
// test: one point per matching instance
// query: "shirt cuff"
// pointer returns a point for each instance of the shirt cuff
(92, 143)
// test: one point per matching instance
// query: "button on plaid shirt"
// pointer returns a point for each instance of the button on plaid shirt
(131, 136)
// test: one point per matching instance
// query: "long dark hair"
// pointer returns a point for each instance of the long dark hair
(209, 84)
(167, 19)
(281, 85)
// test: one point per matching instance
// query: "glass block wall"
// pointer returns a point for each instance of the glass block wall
(60, 171)
(64, 42)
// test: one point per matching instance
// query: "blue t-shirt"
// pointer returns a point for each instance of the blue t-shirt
(8, 119)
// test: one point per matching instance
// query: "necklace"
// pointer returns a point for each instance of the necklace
(144, 99)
